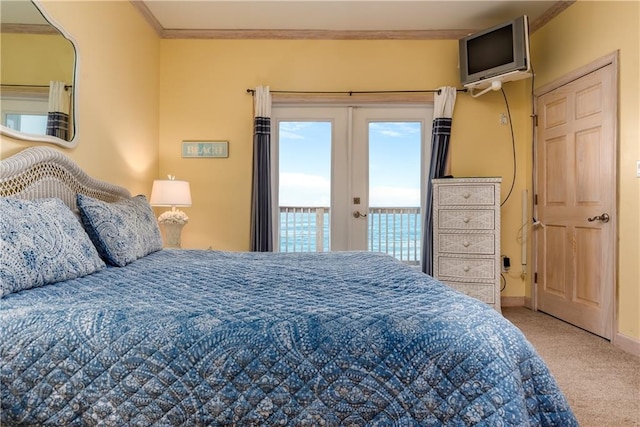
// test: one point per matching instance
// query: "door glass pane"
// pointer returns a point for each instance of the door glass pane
(28, 123)
(304, 186)
(395, 223)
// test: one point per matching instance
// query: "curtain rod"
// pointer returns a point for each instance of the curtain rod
(47, 86)
(352, 92)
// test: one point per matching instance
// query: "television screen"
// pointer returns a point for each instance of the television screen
(490, 50)
(498, 53)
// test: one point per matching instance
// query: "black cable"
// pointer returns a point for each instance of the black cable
(513, 146)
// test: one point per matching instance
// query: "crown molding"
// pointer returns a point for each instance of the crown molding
(262, 34)
(315, 34)
(549, 14)
(29, 29)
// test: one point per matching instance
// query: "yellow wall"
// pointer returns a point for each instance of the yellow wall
(35, 59)
(583, 33)
(139, 97)
(481, 146)
(203, 96)
(117, 91)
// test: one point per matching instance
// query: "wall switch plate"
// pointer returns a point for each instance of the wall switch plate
(638, 169)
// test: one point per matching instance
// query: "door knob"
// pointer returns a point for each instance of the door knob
(604, 218)
(358, 214)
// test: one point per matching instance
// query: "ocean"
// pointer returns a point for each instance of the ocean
(395, 231)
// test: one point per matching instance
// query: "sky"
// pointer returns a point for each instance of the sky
(394, 164)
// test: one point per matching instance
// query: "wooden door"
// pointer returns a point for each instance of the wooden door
(576, 201)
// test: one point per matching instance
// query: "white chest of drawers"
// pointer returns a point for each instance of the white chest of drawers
(466, 236)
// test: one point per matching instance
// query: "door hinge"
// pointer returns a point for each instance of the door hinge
(535, 277)
(535, 119)
(535, 199)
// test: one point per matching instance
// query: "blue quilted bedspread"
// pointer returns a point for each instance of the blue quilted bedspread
(197, 338)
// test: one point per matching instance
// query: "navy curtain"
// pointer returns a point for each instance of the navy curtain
(261, 209)
(444, 102)
(58, 114)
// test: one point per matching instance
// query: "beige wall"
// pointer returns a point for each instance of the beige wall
(583, 33)
(117, 91)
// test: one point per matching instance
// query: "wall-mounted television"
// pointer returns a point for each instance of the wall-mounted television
(497, 54)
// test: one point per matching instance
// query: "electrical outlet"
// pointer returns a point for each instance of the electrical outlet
(504, 119)
(506, 263)
(638, 169)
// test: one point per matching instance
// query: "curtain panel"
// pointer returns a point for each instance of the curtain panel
(58, 111)
(261, 199)
(444, 103)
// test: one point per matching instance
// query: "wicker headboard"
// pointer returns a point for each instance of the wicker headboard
(41, 172)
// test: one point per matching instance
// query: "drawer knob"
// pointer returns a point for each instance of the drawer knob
(465, 244)
(466, 268)
(466, 195)
(466, 219)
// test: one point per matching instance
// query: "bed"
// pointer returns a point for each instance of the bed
(113, 333)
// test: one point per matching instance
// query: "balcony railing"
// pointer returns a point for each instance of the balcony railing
(392, 230)
(304, 229)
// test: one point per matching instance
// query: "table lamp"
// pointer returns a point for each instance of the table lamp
(171, 192)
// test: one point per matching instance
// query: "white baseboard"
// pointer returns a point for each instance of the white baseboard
(528, 302)
(628, 344)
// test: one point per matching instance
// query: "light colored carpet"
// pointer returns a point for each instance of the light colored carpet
(601, 382)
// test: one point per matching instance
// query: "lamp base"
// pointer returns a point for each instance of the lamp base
(172, 233)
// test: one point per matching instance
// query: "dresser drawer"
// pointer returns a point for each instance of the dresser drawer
(466, 268)
(485, 292)
(460, 219)
(466, 195)
(478, 244)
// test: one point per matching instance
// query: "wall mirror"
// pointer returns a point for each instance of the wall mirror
(38, 76)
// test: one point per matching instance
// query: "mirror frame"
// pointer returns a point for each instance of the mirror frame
(74, 99)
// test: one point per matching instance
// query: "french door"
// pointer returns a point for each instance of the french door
(350, 178)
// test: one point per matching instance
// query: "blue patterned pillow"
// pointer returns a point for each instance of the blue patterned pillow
(42, 242)
(122, 231)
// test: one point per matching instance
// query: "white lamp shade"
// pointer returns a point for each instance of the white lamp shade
(170, 193)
